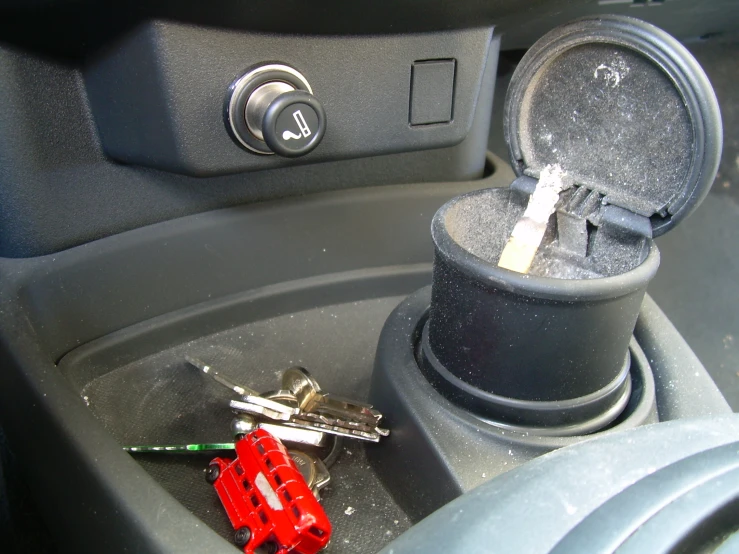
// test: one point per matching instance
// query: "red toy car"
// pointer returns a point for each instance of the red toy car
(267, 499)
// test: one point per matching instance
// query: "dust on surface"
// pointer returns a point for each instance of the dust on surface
(482, 222)
(614, 121)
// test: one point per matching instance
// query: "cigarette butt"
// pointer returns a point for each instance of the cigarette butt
(518, 255)
(527, 234)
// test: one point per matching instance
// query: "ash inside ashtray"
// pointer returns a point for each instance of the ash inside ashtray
(482, 224)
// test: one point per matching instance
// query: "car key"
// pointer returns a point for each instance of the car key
(312, 399)
(258, 406)
(301, 411)
(312, 422)
(243, 424)
(339, 428)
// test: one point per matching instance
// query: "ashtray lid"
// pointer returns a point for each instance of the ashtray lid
(624, 109)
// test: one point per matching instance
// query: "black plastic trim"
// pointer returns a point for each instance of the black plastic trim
(668, 506)
(434, 439)
(532, 508)
(676, 62)
(53, 304)
(575, 416)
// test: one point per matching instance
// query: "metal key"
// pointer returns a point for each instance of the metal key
(350, 429)
(337, 422)
(292, 417)
(295, 435)
(312, 399)
(258, 406)
(302, 410)
(283, 397)
(244, 424)
(370, 436)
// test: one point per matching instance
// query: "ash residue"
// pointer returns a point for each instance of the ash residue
(551, 262)
(613, 120)
(481, 224)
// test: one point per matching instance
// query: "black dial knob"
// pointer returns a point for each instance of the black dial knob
(294, 124)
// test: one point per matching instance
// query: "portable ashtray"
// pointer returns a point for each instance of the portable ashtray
(632, 121)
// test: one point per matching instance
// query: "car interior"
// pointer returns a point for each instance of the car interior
(355, 277)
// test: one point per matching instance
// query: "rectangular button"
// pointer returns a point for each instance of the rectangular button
(432, 91)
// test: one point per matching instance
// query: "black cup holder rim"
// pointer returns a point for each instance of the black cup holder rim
(397, 366)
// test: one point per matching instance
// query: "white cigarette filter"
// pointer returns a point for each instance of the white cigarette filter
(527, 234)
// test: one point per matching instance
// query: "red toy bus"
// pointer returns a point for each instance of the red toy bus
(267, 500)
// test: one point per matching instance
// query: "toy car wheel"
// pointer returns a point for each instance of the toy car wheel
(242, 536)
(212, 473)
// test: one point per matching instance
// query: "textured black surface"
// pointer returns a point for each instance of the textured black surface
(308, 252)
(21, 529)
(162, 400)
(574, 334)
(115, 283)
(581, 341)
(157, 96)
(531, 508)
(697, 287)
(72, 27)
(482, 225)
(57, 189)
(629, 117)
(697, 283)
(683, 19)
(437, 441)
(614, 122)
(664, 511)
